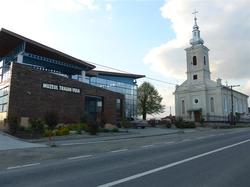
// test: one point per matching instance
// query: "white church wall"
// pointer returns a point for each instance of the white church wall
(200, 92)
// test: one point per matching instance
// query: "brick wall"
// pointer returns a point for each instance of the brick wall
(28, 98)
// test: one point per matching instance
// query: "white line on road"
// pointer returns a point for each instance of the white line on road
(146, 146)
(170, 165)
(185, 140)
(198, 138)
(169, 142)
(23, 166)
(119, 150)
(78, 157)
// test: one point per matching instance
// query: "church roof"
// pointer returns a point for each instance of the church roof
(227, 88)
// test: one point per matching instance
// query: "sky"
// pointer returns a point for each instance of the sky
(140, 36)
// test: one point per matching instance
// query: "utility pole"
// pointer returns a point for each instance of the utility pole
(232, 120)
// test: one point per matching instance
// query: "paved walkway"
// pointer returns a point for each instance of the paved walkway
(132, 133)
(8, 142)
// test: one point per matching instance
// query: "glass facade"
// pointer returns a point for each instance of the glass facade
(4, 97)
(121, 85)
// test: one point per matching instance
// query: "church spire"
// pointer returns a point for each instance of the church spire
(196, 40)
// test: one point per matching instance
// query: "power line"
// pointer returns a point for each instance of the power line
(147, 77)
(160, 81)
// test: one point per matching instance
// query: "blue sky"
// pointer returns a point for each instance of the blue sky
(140, 36)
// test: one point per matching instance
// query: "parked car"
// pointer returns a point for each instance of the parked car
(138, 123)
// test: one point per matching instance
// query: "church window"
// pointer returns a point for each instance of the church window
(225, 104)
(205, 60)
(195, 77)
(194, 60)
(196, 101)
(182, 107)
(212, 104)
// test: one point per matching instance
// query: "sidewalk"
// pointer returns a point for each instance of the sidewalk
(123, 134)
(8, 142)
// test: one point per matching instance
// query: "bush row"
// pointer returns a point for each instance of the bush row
(48, 126)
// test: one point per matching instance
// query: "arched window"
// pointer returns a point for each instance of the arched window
(194, 60)
(205, 60)
(212, 104)
(182, 107)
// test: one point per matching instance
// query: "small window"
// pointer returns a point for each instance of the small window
(182, 107)
(118, 105)
(196, 101)
(194, 60)
(212, 104)
(195, 77)
(205, 60)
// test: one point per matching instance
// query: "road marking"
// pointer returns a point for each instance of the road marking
(78, 157)
(169, 142)
(139, 175)
(185, 140)
(119, 150)
(198, 138)
(145, 146)
(211, 135)
(23, 166)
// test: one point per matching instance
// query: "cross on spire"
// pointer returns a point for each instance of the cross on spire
(195, 12)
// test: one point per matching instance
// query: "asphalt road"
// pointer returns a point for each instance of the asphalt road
(213, 160)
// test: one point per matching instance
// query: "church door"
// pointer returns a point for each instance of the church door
(197, 116)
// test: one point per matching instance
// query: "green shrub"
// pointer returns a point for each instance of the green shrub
(179, 123)
(79, 131)
(103, 130)
(13, 124)
(51, 119)
(62, 131)
(115, 130)
(48, 133)
(36, 125)
(78, 127)
(189, 125)
(84, 127)
(168, 125)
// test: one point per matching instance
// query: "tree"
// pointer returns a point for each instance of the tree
(149, 100)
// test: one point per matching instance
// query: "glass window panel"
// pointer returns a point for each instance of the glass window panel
(5, 107)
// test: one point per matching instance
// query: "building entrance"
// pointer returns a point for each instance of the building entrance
(93, 106)
(197, 116)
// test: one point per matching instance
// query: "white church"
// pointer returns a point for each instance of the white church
(199, 97)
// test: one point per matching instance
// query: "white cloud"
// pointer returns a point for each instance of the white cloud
(91, 20)
(90, 4)
(225, 28)
(108, 7)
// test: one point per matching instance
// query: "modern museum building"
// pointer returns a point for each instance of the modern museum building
(35, 79)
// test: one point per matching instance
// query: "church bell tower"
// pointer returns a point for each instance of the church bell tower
(197, 58)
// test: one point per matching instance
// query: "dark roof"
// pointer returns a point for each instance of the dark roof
(10, 40)
(108, 73)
